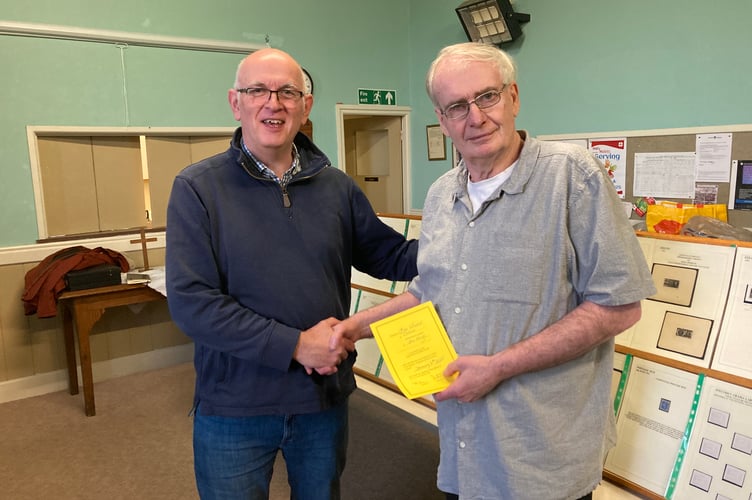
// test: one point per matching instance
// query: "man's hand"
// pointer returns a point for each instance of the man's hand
(348, 330)
(315, 351)
(476, 377)
(344, 334)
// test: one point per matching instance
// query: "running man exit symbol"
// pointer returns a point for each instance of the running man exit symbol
(377, 96)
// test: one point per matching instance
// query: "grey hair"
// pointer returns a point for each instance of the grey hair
(473, 52)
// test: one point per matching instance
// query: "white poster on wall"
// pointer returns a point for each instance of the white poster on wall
(718, 460)
(664, 175)
(713, 157)
(613, 154)
(653, 416)
(735, 341)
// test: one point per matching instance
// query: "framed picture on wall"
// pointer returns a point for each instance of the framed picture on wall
(436, 142)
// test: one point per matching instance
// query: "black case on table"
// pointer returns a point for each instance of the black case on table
(93, 277)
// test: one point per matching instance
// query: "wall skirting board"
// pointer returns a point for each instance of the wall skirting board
(44, 383)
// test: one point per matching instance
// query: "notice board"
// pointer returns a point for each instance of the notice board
(673, 141)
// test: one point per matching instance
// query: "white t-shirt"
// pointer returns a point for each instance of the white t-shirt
(481, 190)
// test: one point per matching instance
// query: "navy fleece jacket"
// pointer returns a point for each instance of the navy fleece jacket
(246, 273)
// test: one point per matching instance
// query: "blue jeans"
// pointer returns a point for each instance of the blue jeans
(234, 456)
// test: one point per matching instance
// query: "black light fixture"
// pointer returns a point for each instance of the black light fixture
(491, 21)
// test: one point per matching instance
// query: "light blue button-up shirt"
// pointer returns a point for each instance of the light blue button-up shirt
(552, 236)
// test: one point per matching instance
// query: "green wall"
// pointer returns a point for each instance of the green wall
(343, 44)
(637, 64)
(585, 66)
(605, 65)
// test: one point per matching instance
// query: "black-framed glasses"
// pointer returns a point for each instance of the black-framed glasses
(485, 100)
(285, 94)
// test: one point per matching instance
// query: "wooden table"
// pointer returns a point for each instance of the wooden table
(85, 308)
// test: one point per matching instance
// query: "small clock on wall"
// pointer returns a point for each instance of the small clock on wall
(307, 81)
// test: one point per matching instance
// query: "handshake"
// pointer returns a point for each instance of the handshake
(324, 346)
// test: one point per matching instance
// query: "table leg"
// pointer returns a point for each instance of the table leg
(85, 319)
(70, 350)
(83, 308)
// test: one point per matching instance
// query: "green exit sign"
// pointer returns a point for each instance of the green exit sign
(377, 96)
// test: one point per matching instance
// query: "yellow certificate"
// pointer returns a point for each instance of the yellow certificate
(416, 349)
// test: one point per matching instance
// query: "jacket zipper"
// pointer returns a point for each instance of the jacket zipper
(285, 196)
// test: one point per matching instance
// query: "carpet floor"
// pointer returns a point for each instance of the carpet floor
(138, 446)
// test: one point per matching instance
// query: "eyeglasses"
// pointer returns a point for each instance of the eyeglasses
(285, 94)
(485, 100)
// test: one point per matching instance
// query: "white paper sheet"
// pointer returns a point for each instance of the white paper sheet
(664, 175)
(718, 460)
(652, 420)
(675, 330)
(713, 157)
(735, 338)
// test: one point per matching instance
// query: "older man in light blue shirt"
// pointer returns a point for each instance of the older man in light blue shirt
(527, 255)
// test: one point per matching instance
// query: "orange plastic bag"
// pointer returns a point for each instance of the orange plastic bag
(669, 217)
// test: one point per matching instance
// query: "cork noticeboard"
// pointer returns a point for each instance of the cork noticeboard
(679, 140)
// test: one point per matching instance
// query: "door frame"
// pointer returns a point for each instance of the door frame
(368, 110)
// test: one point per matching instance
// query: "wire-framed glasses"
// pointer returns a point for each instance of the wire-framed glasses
(285, 94)
(460, 110)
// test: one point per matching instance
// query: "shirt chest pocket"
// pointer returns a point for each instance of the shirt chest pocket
(510, 275)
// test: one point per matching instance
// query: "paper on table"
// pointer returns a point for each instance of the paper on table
(158, 279)
(153, 277)
(416, 349)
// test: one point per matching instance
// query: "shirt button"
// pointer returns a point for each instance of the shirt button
(457, 310)
(472, 224)
(462, 445)
(463, 267)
